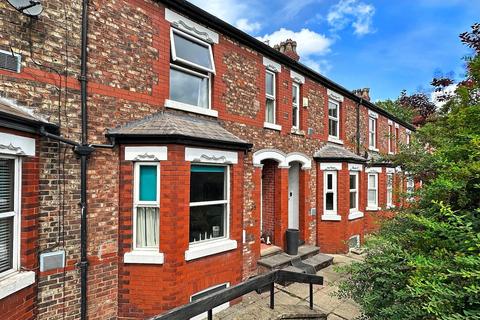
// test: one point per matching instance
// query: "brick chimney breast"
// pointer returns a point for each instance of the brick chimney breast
(363, 93)
(288, 48)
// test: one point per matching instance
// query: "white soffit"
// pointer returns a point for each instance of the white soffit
(16, 145)
(190, 27)
(210, 156)
(145, 153)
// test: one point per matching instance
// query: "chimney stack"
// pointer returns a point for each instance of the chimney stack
(288, 48)
(363, 93)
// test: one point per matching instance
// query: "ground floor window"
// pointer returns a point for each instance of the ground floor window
(389, 189)
(147, 203)
(354, 191)
(372, 190)
(9, 214)
(330, 192)
(410, 187)
(209, 203)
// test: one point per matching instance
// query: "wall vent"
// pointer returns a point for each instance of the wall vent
(52, 260)
(354, 242)
(10, 62)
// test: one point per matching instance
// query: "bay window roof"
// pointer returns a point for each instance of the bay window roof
(333, 152)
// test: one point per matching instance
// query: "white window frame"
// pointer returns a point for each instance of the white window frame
(137, 203)
(390, 183)
(372, 206)
(390, 138)
(397, 136)
(372, 130)
(193, 39)
(16, 214)
(334, 174)
(227, 202)
(214, 310)
(356, 189)
(408, 132)
(296, 87)
(192, 106)
(337, 119)
(271, 97)
(410, 187)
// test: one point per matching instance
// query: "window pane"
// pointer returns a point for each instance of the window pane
(332, 127)
(6, 244)
(148, 183)
(353, 181)
(353, 200)
(294, 116)
(207, 183)
(389, 180)
(372, 197)
(188, 88)
(295, 94)
(147, 227)
(207, 222)
(332, 109)
(329, 201)
(192, 51)
(329, 181)
(6, 185)
(270, 111)
(389, 196)
(270, 83)
(372, 139)
(371, 182)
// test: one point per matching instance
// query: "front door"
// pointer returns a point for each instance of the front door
(293, 195)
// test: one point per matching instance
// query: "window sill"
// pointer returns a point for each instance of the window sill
(190, 108)
(143, 257)
(209, 248)
(335, 140)
(373, 208)
(373, 149)
(355, 215)
(272, 126)
(392, 206)
(331, 217)
(16, 282)
(297, 132)
(391, 153)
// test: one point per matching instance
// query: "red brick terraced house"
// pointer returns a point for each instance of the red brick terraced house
(196, 142)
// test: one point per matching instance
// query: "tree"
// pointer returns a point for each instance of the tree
(425, 262)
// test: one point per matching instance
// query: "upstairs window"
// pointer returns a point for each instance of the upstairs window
(390, 138)
(372, 130)
(333, 119)
(372, 191)
(330, 192)
(146, 206)
(270, 108)
(9, 215)
(296, 106)
(397, 137)
(190, 70)
(209, 203)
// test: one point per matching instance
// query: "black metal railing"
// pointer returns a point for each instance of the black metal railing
(258, 283)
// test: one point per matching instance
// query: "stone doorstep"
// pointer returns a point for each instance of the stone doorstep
(282, 260)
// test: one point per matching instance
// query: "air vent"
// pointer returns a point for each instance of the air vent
(10, 62)
(354, 242)
(52, 260)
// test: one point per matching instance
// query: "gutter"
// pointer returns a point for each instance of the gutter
(207, 19)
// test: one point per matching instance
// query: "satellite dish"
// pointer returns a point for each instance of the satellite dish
(31, 8)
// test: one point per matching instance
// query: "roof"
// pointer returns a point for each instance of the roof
(171, 126)
(335, 152)
(186, 8)
(15, 116)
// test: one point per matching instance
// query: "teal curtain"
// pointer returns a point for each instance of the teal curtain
(148, 183)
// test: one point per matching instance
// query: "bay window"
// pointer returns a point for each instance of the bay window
(354, 192)
(333, 119)
(146, 206)
(209, 203)
(330, 193)
(372, 201)
(9, 214)
(190, 70)
(270, 107)
(296, 106)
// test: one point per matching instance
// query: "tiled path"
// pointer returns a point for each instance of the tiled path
(292, 300)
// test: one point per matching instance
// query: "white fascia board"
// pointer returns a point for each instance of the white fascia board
(210, 156)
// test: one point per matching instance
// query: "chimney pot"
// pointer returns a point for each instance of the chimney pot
(288, 48)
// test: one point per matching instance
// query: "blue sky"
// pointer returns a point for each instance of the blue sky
(384, 45)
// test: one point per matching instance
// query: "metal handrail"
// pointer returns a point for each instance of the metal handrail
(257, 283)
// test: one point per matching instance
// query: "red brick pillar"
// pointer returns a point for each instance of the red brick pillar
(281, 205)
(304, 204)
(253, 230)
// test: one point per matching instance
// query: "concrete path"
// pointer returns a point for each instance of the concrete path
(291, 302)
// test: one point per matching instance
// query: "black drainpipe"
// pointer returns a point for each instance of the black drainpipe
(358, 126)
(83, 151)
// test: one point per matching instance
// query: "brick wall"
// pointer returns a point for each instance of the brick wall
(268, 199)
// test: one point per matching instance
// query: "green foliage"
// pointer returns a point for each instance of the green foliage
(404, 113)
(425, 262)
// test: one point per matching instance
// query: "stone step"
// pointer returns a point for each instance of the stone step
(282, 260)
(319, 261)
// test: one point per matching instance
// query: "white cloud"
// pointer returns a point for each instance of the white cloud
(247, 26)
(436, 97)
(352, 12)
(237, 13)
(308, 42)
(320, 65)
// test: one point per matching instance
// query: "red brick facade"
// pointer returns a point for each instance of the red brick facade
(129, 70)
